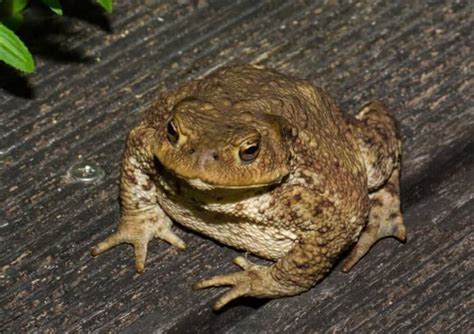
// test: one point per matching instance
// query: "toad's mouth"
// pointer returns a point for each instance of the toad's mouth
(202, 184)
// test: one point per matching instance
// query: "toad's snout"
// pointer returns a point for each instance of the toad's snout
(206, 155)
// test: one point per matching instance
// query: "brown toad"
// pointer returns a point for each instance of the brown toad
(265, 163)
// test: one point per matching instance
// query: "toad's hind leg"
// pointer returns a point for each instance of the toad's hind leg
(385, 220)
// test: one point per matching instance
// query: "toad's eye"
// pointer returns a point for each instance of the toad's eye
(172, 133)
(249, 152)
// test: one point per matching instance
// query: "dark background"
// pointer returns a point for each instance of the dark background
(97, 72)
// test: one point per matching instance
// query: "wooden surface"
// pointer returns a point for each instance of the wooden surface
(95, 76)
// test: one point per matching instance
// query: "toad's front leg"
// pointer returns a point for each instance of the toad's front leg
(142, 218)
(305, 264)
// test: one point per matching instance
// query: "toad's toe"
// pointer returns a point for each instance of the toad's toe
(109, 242)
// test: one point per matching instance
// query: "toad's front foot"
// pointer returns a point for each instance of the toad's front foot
(254, 281)
(138, 229)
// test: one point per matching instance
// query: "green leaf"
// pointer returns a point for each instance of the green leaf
(18, 5)
(54, 5)
(14, 52)
(106, 4)
(11, 13)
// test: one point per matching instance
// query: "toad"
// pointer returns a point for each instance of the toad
(265, 163)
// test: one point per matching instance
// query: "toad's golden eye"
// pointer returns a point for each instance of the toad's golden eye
(249, 152)
(172, 133)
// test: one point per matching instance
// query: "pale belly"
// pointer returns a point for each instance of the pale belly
(262, 240)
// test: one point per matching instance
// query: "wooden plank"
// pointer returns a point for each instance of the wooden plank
(414, 55)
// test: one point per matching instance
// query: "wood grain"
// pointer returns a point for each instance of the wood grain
(89, 89)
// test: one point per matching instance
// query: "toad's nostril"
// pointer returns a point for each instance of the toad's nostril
(206, 155)
(191, 151)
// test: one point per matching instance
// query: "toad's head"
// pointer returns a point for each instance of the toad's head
(239, 146)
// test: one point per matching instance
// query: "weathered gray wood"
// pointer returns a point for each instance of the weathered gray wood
(417, 56)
